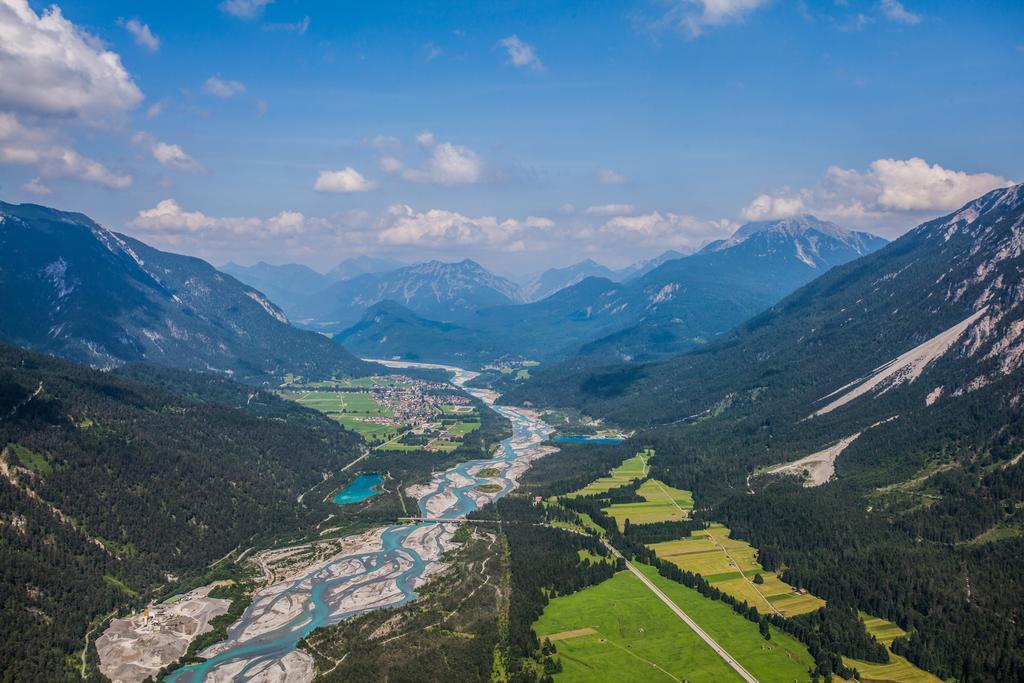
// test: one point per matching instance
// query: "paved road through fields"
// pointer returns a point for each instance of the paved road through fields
(719, 650)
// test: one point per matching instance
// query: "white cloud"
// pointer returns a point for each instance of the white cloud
(448, 165)
(167, 217)
(521, 54)
(656, 229)
(610, 210)
(539, 222)
(390, 164)
(50, 66)
(287, 223)
(438, 227)
(607, 176)
(426, 139)
(696, 16)
(219, 87)
(36, 186)
(40, 149)
(143, 36)
(244, 9)
(767, 206)
(891, 190)
(175, 157)
(895, 11)
(172, 156)
(346, 180)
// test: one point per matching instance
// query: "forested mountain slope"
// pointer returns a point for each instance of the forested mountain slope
(73, 288)
(908, 367)
(948, 294)
(110, 486)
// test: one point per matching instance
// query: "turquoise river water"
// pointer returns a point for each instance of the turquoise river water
(337, 590)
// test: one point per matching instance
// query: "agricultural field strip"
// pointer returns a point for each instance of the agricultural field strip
(718, 649)
(740, 570)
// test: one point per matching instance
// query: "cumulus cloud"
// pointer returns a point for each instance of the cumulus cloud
(244, 9)
(448, 165)
(607, 176)
(175, 157)
(36, 186)
(521, 54)
(438, 227)
(143, 36)
(167, 217)
(610, 210)
(347, 180)
(170, 155)
(895, 11)
(696, 16)
(891, 190)
(51, 67)
(426, 139)
(223, 88)
(40, 149)
(663, 230)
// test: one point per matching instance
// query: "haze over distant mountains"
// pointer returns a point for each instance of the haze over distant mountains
(680, 304)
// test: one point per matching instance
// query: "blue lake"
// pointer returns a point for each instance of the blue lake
(579, 438)
(363, 487)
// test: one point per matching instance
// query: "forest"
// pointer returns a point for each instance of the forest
(174, 482)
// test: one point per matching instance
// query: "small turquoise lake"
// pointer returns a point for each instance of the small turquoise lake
(579, 438)
(364, 486)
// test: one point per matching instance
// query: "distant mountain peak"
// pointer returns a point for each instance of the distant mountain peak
(794, 225)
(809, 237)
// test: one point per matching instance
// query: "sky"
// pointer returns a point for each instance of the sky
(520, 134)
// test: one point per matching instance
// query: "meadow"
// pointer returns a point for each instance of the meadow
(618, 629)
(630, 470)
(662, 504)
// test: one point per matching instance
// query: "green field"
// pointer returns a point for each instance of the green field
(664, 504)
(463, 428)
(351, 409)
(31, 460)
(630, 470)
(619, 630)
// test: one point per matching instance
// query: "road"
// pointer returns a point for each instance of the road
(719, 650)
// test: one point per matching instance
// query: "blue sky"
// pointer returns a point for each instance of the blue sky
(522, 134)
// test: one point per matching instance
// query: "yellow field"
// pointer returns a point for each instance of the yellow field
(884, 631)
(664, 504)
(730, 565)
(898, 670)
(630, 470)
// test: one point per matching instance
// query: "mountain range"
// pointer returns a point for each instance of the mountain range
(75, 289)
(438, 290)
(678, 305)
(865, 433)
(937, 313)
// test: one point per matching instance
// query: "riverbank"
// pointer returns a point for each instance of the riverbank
(324, 582)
